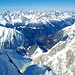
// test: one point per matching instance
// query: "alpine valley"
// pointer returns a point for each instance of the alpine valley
(37, 43)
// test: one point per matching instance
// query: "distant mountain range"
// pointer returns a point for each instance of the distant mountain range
(32, 17)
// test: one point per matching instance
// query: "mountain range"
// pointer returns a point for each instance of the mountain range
(42, 41)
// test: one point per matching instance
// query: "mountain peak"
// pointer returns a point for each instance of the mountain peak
(32, 16)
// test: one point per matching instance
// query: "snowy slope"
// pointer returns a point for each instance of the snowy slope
(35, 51)
(12, 39)
(6, 68)
(38, 26)
(11, 62)
(61, 57)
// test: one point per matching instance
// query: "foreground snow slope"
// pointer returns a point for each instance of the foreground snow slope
(6, 68)
(11, 62)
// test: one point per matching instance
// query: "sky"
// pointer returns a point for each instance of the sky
(38, 5)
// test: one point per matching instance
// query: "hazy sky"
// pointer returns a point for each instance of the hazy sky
(15, 5)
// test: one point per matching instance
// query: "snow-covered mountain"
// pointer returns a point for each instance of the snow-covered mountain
(12, 39)
(61, 57)
(34, 42)
(33, 17)
(37, 25)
